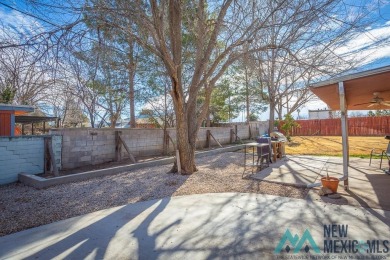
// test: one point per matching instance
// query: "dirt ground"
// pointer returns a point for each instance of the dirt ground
(359, 146)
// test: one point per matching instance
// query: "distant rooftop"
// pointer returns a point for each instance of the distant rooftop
(16, 108)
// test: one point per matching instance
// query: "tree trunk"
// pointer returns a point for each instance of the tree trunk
(247, 94)
(185, 144)
(280, 113)
(113, 122)
(186, 119)
(131, 68)
(132, 102)
(208, 119)
(271, 116)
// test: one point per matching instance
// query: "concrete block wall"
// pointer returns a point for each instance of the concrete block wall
(222, 134)
(144, 142)
(57, 149)
(259, 127)
(83, 146)
(243, 131)
(87, 146)
(24, 154)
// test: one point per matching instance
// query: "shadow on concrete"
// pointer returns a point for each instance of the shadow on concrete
(385, 218)
(368, 188)
(296, 171)
(207, 226)
(96, 233)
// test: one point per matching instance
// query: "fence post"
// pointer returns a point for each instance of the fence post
(208, 137)
(231, 136)
(50, 161)
(118, 146)
(47, 162)
(165, 142)
(236, 131)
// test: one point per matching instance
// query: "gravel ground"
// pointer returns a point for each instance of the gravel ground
(23, 207)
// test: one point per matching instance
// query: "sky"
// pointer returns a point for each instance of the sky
(364, 44)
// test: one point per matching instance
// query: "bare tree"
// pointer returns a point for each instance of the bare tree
(218, 33)
(197, 40)
(28, 78)
(310, 32)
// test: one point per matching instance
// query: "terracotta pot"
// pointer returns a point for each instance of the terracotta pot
(332, 183)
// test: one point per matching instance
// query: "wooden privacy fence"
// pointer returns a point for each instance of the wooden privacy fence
(357, 126)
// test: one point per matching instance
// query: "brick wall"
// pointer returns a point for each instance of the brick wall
(24, 154)
(87, 146)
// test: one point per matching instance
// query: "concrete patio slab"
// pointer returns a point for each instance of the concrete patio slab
(368, 185)
(207, 226)
(294, 170)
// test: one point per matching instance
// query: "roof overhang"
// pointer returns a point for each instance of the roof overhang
(359, 89)
(17, 109)
(34, 119)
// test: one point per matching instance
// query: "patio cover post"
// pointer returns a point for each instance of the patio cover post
(344, 133)
(13, 124)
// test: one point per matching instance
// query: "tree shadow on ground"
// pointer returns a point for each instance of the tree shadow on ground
(208, 226)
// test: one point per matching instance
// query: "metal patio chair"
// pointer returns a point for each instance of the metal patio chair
(265, 151)
(381, 153)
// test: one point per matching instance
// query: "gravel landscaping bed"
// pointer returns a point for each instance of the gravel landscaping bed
(23, 207)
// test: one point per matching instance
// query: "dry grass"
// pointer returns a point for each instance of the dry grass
(359, 146)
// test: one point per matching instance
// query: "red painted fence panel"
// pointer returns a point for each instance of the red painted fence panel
(357, 126)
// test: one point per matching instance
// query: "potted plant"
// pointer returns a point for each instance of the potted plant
(331, 183)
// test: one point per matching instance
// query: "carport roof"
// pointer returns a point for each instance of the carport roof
(17, 109)
(34, 119)
(359, 88)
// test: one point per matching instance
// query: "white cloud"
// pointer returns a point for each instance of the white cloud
(368, 46)
(18, 26)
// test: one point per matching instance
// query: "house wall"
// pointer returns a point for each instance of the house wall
(87, 146)
(5, 123)
(25, 154)
(321, 114)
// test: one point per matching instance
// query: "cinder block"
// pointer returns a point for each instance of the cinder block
(100, 138)
(80, 149)
(87, 158)
(103, 142)
(98, 152)
(66, 138)
(110, 138)
(68, 165)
